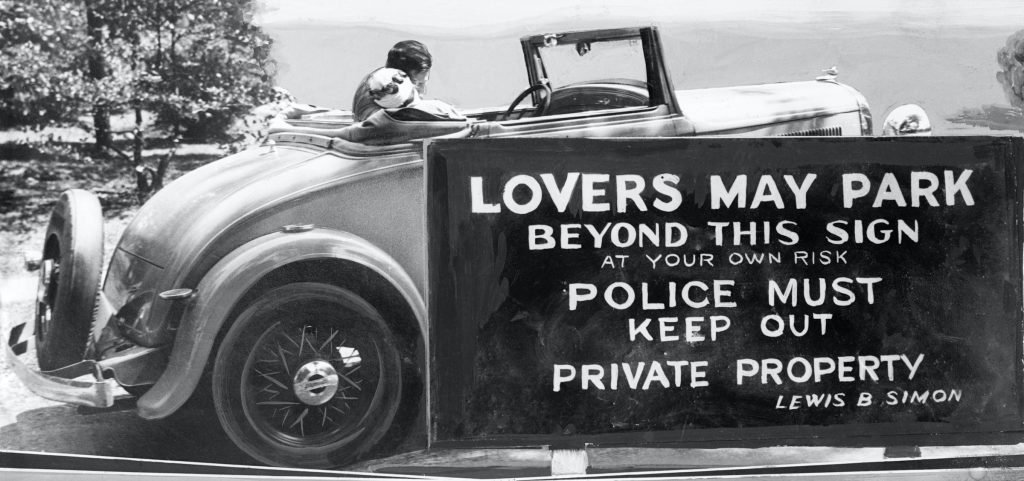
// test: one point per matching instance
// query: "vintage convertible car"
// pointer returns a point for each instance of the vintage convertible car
(288, 281)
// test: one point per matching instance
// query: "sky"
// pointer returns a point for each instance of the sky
(459, 18)
(940, 54)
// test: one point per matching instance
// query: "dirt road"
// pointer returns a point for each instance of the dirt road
(31, 423)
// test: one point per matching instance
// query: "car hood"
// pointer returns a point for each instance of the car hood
(185, 216)
(726, 109)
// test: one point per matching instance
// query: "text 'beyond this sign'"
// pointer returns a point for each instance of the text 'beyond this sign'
(596, 287)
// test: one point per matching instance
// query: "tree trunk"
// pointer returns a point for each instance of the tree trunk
(173, 60)
(143, 175)
(97, 71)
(161, 167)
(101, 126)
(137, 141)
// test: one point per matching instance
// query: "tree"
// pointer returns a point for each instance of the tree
(58, 63)
(197, 65)
(211, 62)
(40, 71)
(96, 27)
(1011, 60)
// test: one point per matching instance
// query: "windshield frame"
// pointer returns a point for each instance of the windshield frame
(658, 79)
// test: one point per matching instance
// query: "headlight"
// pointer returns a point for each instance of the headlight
(907, 119)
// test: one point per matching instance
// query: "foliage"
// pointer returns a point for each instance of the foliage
(42, 67)
(197, 64)
(994, 117)
(255, 124)
(1011, 76)
(206, 64)
(1011, 60)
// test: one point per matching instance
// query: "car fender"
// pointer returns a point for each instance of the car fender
(223, 286)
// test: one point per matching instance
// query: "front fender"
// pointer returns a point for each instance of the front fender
(224, 285)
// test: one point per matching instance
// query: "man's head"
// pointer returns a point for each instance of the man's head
(412, 58)
(391, 88)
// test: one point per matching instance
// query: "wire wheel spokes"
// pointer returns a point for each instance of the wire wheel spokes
(46, 293)
(311, 382)
(308, 374)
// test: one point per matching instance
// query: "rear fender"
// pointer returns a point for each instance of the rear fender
(227, 282)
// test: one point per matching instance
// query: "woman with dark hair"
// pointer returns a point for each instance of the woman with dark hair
(409, 56)
(412, 58)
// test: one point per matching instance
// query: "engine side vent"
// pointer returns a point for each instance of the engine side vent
(818, 132)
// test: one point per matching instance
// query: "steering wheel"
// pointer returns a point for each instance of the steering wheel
(539, 109)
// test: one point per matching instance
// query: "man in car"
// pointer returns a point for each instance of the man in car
(409, 56)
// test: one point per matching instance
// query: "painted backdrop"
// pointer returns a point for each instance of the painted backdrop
(939, 54)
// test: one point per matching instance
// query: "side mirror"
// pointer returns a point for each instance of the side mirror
(905, 120)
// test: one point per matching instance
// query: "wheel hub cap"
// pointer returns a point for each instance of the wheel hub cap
(315, 383)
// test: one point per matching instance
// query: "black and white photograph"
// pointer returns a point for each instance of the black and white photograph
(259, 239)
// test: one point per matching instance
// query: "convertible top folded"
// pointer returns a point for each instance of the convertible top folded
(384, 127)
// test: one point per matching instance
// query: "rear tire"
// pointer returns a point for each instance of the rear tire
(69, 278)
(308, 376)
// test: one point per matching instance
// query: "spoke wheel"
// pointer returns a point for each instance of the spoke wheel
(307, 376)
(46, 294)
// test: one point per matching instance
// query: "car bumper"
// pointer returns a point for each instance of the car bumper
(63, 384)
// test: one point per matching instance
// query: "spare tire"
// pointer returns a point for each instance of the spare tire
(69, 277)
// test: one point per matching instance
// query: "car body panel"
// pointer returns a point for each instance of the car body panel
(289, 184)
(228, 281)
(731, 110)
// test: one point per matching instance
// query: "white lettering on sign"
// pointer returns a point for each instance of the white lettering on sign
(814, 292)
(523, 194)
(923, 186)
(842, 368)
(624, 375)
(877, 231)
(619, 234)
(664, 328)
(767, 192)
(676, 231)
(621, 295)
(754, 233)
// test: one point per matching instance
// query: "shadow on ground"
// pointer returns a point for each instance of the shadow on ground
(189, 436)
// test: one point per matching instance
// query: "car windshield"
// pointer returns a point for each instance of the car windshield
(571, 63)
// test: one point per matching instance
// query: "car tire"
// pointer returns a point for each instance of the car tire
(69, 277)
(308, 375)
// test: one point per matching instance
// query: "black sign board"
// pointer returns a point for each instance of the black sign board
(726, 292)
